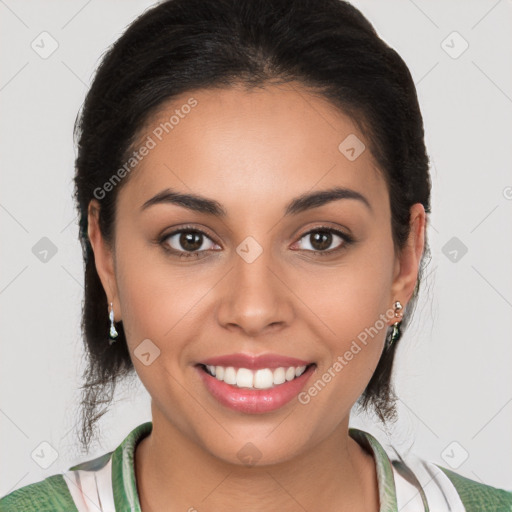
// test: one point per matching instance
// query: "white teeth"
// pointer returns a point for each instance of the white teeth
(219, 372)
(279, 376)
(290, 373)
(244, 378)
(229, 375)
(264, 378)
(299, 371)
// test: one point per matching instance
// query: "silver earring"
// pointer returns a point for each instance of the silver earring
(112, 333)
(396, 334)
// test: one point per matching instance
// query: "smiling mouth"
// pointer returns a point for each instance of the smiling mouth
(263, 378)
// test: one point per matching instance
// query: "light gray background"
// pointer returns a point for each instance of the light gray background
(453, 370)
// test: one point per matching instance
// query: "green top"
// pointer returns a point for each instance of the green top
(113, 478)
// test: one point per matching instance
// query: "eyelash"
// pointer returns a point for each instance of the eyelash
(347, 240)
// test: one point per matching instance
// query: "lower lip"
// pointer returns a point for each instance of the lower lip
(254, 401)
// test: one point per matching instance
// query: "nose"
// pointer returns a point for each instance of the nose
(254, 297)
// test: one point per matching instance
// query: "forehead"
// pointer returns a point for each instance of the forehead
(243, 146)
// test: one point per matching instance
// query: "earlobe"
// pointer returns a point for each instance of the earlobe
(103, 256)
(409, 260)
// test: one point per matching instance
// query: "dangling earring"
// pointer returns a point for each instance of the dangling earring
(112, 333)
(396, 334)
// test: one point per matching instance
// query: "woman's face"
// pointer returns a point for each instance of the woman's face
(264, 278)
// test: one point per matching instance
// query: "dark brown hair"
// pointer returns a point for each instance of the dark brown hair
(327, 46)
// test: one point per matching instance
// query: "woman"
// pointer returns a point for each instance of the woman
(253, 191)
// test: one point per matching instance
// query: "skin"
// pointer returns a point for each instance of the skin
(253, 151)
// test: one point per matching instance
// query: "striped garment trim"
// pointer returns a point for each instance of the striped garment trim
(107, 484)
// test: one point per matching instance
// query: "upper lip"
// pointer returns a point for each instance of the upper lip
(254, 362)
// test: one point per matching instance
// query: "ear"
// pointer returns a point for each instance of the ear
(408, 261)
(103, 258)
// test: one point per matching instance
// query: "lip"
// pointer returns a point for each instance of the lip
(254, 401)
(254, 362)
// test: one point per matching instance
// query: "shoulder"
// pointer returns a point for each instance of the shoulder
(442, 488)
(53, 493)
(82, 484)
(49, 495)
(411, 483)
(477, 496)
(56, 493)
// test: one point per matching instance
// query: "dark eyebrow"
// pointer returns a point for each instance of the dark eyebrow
(300, 204)
(321, 197)
(190, 201)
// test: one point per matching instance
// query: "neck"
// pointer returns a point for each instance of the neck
(175, 473)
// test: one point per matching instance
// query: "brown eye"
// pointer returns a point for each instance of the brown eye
(190, 241)
(321, 240)
(187, 242)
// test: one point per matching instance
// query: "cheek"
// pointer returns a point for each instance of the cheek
(352, 296)
(153, 308)
(353, 305)
(160, 300)
(140, 286)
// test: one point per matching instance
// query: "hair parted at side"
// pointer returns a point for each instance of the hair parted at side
(327, 46)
